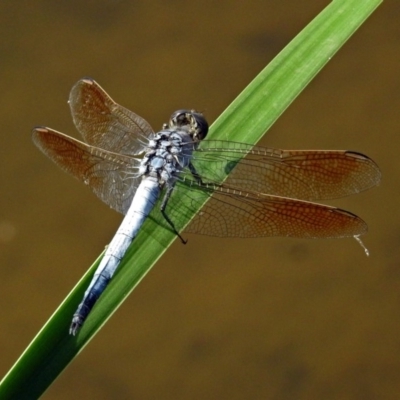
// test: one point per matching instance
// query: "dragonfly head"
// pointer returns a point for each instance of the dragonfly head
(192, 120)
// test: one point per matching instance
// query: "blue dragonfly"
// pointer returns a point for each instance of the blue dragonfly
(268, 192)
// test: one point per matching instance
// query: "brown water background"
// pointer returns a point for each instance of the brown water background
(216, 319)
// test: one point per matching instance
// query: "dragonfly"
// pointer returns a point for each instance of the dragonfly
(251, 191)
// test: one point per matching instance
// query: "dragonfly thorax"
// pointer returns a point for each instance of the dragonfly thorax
(168, 152)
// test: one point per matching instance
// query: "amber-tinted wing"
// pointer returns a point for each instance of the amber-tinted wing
(259, 196)
(104, 123)
(300, 174)
(112, 177)
(230, 213)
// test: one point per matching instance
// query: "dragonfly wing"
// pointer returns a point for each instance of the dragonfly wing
(112, 177)
(300, 174)
(104, 123)
(229, 213)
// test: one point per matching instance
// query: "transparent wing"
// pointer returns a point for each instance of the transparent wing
(112, 177)
(261, 196)
(301, 174)
(104, 123)
(229, 213)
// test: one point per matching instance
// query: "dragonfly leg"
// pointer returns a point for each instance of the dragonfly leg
(168, 219)
(195, 174)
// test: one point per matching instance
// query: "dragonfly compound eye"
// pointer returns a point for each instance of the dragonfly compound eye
(201, 125)
(180, 118)
(192, 119)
